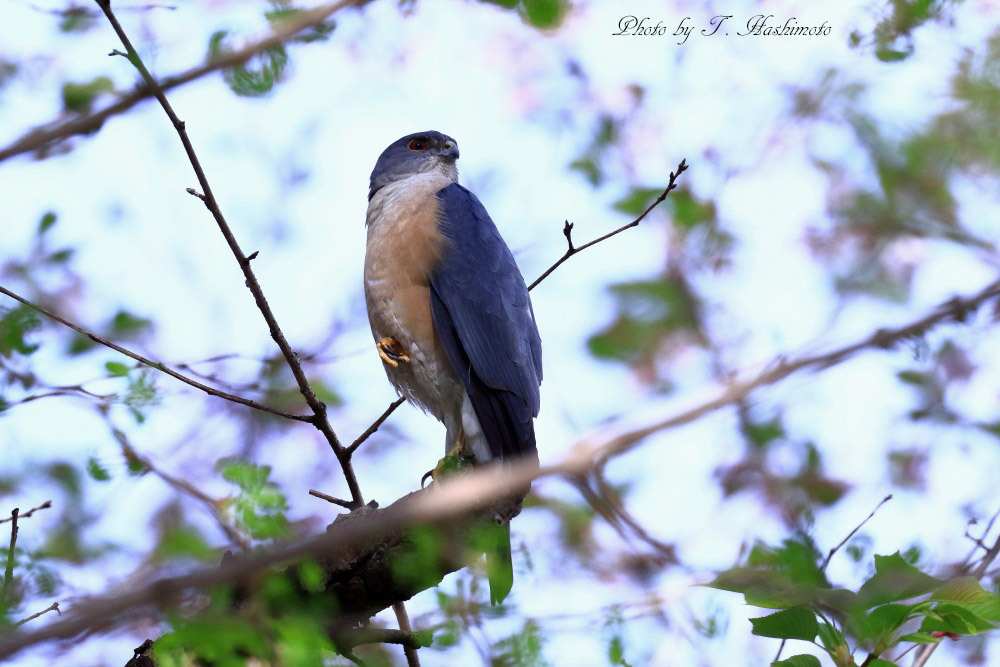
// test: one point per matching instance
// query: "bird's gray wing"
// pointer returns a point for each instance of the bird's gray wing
(483, 316)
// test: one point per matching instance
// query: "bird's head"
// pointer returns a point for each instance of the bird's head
(416, 153)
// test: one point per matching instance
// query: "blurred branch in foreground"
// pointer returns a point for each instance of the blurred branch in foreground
(356, 536)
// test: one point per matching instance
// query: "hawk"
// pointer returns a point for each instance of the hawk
(450, 312)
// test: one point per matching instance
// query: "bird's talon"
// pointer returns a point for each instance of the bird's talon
(392, 352)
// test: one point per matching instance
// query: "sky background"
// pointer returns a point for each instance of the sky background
(290, 171)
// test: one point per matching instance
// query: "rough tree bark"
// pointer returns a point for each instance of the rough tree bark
(363, 579)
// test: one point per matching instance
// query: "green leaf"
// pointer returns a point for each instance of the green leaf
(879, 662)
(895, 580)
(97, 471)
(636, 201)
(46, 222)
(966, 592)
(920, 638)
(688, 212)
(912, 377)
(544, 13)
(60, 256)
(798, 623)
(15, 325)
(891, 55)
(182, 541)
(798, 661)
(117, 369)
(946, 617)
(76, 19)
(831, 637)
(79, 97)
(128, 325)
(251, 80)
(883, 621)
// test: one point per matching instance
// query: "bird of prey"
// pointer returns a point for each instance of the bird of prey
(450, 313)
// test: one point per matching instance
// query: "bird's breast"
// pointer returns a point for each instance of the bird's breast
(403, 250)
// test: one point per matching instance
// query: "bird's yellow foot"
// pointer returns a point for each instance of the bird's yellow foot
(457, 459)
(392, 352)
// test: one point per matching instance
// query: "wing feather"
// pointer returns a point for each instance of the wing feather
(483, 316)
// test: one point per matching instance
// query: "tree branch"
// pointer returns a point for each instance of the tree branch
(52, 607)
(956, 309)
(568, 227)
(163, 368)
(363, 535)
(44, 506)
(8, 575)
(834, 550)
(319, 418)
(375, 426)
(53, 132)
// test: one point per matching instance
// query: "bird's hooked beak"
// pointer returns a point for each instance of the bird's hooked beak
(449, 152)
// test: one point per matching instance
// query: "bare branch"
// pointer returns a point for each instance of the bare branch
(405, 631)
(44, 506)
(956, 309)
(347, 504)
(8, 575)
(55, 131)
(834, 550)
(461, 495)
(568, 227)
(163, 368)
(318, 418)
(52, 607)
(375, 426)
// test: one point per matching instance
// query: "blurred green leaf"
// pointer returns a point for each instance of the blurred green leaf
(79, 97)
(46, 223)
(636, 201)
(544, 13)
(15, 325)
(76, 19)
(798, 661)
(797, 623)
(895, 580)
(97, 471)
(256, 78)
(117, 369)
(183, 541)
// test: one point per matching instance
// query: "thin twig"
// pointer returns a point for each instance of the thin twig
(50, 133)
(8, 575)
(412, 660)
(375, 426)
(851, 534)
(163, 368)
(457, 496)
(330, 499)
(956, 309)
(568, 227)
(318, 418)
(52, 607)
(44, 506)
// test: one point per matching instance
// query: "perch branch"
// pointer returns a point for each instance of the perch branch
(356, 536)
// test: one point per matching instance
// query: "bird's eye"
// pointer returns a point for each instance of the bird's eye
(418, 145)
